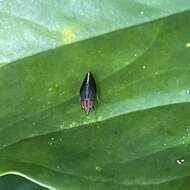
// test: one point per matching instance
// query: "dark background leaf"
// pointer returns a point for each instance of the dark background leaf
(13, 182)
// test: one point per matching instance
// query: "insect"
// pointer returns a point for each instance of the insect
(88, 93)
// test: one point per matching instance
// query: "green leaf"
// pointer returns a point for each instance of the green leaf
(35, 26)
(138, 136)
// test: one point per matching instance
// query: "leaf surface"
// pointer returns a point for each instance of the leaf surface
(138, 136)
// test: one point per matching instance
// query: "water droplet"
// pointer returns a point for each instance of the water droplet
(181, 161)
(144, 67)
(33, 123)
(135, 55)
(156, 73)
(52, 138)
(56, 85)
(50, 89)
(164, 144)
(142, 12)
(187, 91)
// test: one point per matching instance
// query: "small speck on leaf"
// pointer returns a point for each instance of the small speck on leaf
(69, 34)
(188, 45)
(142, 12)
(98, 168)
(181, 161)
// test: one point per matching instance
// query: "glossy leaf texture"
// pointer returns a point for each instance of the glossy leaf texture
(138, 136)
